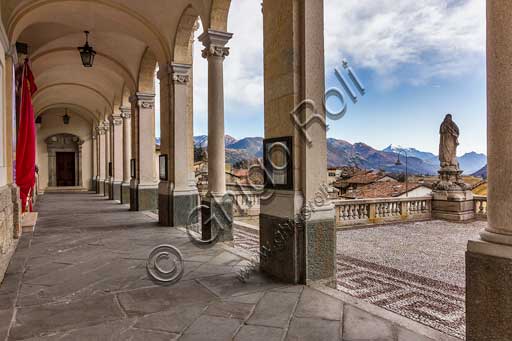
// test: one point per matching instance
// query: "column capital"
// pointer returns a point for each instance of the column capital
(100, 129)
(180, 73)
(143, 100)
(215, 43)
(126, 112)
(115, 120)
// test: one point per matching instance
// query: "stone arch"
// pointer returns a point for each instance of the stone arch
(183, 42)
(147, 69)
(219, 15)
(125, 96)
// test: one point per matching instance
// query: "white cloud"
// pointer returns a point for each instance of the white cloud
(401, 40)
(243, 68)
(425, 38)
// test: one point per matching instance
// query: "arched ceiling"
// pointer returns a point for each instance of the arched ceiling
(122, 33)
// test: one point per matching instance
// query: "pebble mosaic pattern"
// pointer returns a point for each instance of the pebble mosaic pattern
(415, 270)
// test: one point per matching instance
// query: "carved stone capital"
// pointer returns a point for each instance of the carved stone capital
(116, 120)
(100, 129)
(215, 43)
(180, 73)
(126, 112)
(143, 100)
(215, 51)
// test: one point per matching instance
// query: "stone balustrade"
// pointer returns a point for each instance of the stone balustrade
(378, 211)
(480, 207)
(246, 199)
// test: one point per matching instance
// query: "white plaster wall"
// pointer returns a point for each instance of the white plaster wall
(418, 192)
(52, 124)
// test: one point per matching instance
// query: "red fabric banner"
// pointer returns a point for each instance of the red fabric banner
(26, 144)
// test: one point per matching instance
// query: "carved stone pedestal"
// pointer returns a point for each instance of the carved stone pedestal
(451, 198)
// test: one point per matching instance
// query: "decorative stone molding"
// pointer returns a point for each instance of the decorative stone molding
(215, 51)
(143, 100)
(215, 43)
(180, 73)
(100, 129)
(126, 113)
(116, 120)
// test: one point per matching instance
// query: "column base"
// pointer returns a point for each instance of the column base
(116, 190)
(143, 197)
(455, 206)
(217, 218)
(108, 189)
(125, 193)
(488, 288)
(100, 187)
(298, 252)
(94, 183)
(174, 209)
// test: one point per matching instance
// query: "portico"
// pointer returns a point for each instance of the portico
(111, 109)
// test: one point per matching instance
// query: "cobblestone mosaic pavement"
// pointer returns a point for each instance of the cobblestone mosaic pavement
(413, 269)
(81, 276)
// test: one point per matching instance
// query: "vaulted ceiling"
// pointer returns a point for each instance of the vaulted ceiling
(122, 33)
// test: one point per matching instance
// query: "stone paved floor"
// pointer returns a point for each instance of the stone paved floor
(81, 276)
(416, 270)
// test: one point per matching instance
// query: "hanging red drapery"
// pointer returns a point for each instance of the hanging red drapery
(26, 143)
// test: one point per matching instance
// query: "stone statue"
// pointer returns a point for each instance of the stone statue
(452, 199)
(448, 143)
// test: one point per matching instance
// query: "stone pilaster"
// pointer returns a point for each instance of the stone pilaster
(116, 152)
(297, 227)
(178, 197)
(215, 52)
(127, 152)
(144, 188)
(94, 179)
(489, 260)
(108, 179)
(101, 159)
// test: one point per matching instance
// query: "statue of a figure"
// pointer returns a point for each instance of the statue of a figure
(448, 144)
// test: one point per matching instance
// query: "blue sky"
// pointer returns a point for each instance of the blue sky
(417, 60)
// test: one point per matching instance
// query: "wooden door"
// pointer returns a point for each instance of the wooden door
(66, 169)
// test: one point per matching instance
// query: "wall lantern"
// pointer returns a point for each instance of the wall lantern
(87, 53)
(66, 117)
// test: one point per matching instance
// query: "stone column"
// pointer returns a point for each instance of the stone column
(116, 153)
(144, 189)
(94, 161)
(177, 196)
(108, 180)
(217, 215)
(297, 225)
(489, 260)
(101, 159)
(127, 152)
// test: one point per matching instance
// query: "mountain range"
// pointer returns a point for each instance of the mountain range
(470, 162)
(343, 153)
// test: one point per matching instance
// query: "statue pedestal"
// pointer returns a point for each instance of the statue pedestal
(451, 198)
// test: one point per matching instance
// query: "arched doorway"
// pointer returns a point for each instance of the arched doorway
(64, 160)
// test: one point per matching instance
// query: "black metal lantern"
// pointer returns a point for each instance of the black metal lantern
(66, 118)
(87, 53)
